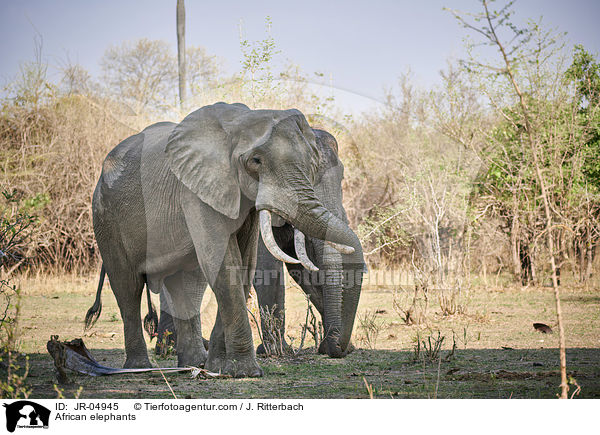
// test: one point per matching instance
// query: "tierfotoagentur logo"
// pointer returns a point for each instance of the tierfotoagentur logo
(25, 414)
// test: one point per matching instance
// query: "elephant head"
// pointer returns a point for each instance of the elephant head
(228, 153)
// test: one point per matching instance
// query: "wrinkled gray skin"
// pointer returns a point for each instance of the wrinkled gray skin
(268, 281)
(176, 207)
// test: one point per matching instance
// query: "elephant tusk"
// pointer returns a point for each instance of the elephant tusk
(264, 217)
(344, 249)
(300, 245)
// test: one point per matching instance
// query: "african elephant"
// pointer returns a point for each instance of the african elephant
(179, 206)
(326, 296)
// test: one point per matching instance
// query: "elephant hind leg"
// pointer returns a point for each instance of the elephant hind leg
(128, 288)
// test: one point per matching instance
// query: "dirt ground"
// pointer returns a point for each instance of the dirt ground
(490, 350)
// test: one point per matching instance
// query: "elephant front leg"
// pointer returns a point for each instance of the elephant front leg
(190, 348)
(185, 292)
(231, 349)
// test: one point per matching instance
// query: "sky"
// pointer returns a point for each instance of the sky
(361, 47)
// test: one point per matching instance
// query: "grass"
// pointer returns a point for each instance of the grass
(498, 353)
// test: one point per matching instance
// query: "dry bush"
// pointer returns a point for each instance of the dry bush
(313, 326)
(271, 328)
(13, 374)
(370, 327)
(452, 304)
(53, 153)
(16, 225)
(56, 150)
(412, 308)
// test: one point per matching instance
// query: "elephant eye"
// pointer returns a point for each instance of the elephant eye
(253, 165)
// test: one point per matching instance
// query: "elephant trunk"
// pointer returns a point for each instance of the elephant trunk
(341, 291)
(332, 302)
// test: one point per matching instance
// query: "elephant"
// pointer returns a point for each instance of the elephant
(180, 206)
(269, 282)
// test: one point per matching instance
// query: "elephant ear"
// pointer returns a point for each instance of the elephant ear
(326, 138)
(199, 152)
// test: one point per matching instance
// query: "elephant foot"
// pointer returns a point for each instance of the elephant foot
(243, 368)
(323, 348)
(337, 352)
(194, 356)
(237, 367)
(137, 363)
(215, 363)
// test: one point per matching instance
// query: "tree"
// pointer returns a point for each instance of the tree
(202, 69)
(537, 150)
(584, 75)
(181, 49)
(142, 73)
(75, 79)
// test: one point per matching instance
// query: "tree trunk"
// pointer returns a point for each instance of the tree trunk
(515, 248)
(525, 260)
(181, 49)
(590, 255)
(582, 253)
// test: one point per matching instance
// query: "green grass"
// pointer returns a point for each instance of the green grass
(498, 353)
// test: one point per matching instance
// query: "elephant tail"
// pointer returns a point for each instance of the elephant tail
(151, 319)
(94, 312)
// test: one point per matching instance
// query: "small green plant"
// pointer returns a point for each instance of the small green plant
(465, 336)
(166, 347)
(257, 62)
